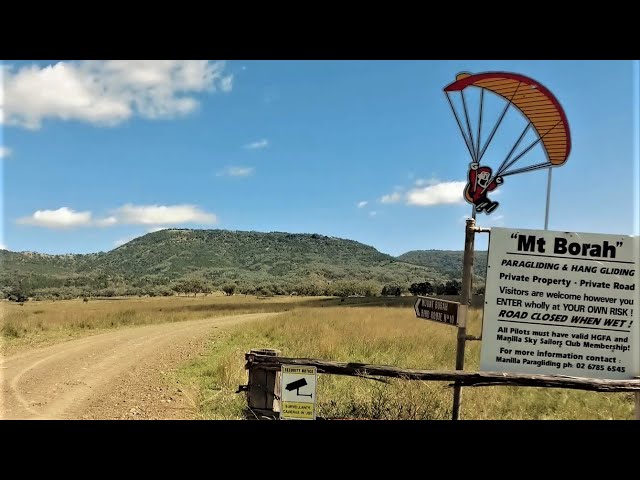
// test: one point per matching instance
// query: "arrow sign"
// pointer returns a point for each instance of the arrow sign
(441, 311)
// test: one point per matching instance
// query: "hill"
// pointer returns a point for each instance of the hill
(448, 262)
(274, 262)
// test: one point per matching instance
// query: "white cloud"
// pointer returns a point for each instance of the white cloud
(438, 194)
(422, 181)
(264, 143)
(3, 247)
(391, 198)
(373, 214)
(163, 215)
(362, 204)
(61, 218)
(236, 172)
(155, 229)
(127, 214)
(226, 84)
(4, 152)
(106, 222)
(106, 92)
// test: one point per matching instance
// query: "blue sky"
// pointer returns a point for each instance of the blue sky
(96, 153)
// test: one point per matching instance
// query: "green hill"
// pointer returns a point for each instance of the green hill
(448, 262)
(255, 262)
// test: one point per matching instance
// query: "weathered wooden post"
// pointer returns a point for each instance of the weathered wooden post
(467, 271)
(263, 388)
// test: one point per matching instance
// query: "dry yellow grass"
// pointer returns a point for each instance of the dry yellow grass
(391, 336)
(380, 331)
(46, 321)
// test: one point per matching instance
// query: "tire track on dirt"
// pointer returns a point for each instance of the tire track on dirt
(102, 375)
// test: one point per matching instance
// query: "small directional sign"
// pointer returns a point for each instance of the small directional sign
(298, 392)
(442, 311)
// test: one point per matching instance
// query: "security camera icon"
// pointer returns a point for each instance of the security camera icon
(297, 385)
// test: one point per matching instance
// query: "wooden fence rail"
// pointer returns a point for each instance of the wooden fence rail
(258, 361)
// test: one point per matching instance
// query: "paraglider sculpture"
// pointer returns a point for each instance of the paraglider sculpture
(543, 115)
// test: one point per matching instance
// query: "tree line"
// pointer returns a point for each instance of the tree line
(196, 286)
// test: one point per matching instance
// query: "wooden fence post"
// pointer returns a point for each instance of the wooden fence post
(263, 387)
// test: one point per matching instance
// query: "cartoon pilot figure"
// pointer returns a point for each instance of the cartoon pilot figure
(480, 184)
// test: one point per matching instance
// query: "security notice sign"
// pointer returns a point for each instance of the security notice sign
(562, 303)
(298, 392)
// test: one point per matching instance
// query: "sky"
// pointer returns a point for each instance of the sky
(96, 153)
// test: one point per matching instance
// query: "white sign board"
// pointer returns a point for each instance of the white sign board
(298, 392)
(562, 303)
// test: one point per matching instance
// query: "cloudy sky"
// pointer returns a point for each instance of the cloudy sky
(95, 153)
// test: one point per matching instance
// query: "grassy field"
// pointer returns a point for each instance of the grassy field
(382, 335)
(380, 331)
(43, 322)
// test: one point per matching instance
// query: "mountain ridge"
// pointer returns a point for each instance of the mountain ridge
(277, 261)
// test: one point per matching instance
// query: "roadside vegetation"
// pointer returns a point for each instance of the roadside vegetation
(389, 335)
(378, 330)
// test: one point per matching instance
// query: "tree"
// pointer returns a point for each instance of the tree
(391, 290)
(17, 295)
(207, 288)
(195, 286)
(368, 289)
(189, 285)
(229, 288)
(342, 288)
(178, 288)
(453, 287)
(424, 288)
(264, 290)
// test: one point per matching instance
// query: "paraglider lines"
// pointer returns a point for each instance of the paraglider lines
(455, 114)
(529, 168)
(480, 121)
(466, 116)
(502, 165)
(493, 132)
(500, 170)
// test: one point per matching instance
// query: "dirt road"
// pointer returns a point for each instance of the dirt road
(115, 375)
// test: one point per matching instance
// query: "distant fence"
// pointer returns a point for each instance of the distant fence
(264, 365)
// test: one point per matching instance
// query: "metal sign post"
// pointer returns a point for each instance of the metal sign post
(467, 271)
(546, 213)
